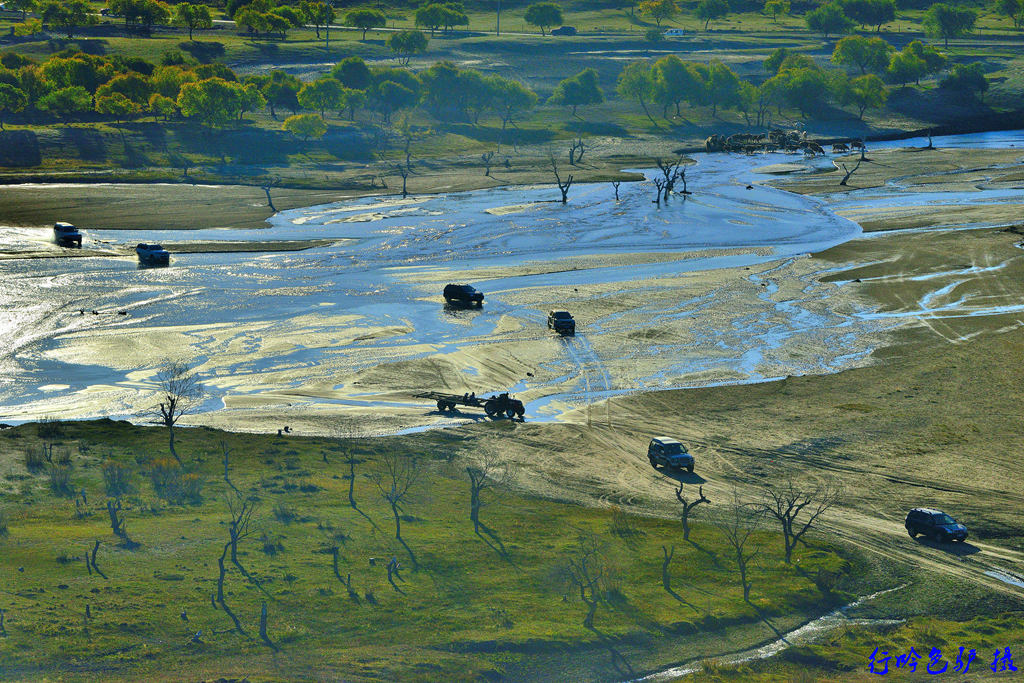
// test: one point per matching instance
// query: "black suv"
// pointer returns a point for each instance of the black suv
(463, 295)
(561, 322)
(934, 524)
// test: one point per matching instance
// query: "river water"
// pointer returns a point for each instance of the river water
(263, 328)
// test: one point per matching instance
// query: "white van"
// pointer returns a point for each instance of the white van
(674, 33)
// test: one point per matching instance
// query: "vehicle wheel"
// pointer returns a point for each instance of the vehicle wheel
(653, 464)
(490, 408)
(913, 534)
(690, 469)
(441, 406)
(510, 413)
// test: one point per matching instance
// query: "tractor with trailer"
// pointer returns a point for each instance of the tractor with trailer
(495, 406)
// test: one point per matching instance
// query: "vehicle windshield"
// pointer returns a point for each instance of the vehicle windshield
(673, 449)
(942, 519)
(561, 314)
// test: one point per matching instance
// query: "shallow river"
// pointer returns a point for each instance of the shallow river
(276, 333)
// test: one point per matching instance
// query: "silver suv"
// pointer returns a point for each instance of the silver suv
(666, 452)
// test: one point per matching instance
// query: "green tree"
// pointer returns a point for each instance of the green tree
(430, 16)
(946, 21)
(159, 105)
(870, 12)
(709, 10)
(192, 17)
(68, 15)
(905, 67)
(167, 80)
(723, 87)
(828, 20)
(142, 13)
(321, 95)
(133, 87)
(775, 59)
(212, 101)
(365, 19)
(305, 126)
(353, 100)
(82, 70)
(407, 43)
(65, 102)
(804, 88)
(117, 106)
(390, 97)
(775, 8)
(317, 13)
(581, 89)
(677, 81)
(510, 98)
(23, 6)
(966, 78)
(12, 100)
(543, 14)
(280, 89)
(34, 84)
(636, 82)
(1011, 9)
(934, 60)
(867, 54)
(353, 73)
(659, 10)
(865, 92)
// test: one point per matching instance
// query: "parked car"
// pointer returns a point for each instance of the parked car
(462, 295)
(934, 524)
(674, 33)
(152, 254)
(564, 31)
(561, 322)
(667, 452)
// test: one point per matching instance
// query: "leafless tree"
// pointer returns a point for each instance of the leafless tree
(347, 582)
(688, 508)
(90, 560)
(241, 508)
(227, 477)
(672, 172)
(266, 188)
(666, 576)
(576, 150)
(849, 172)
(486, 157)
(179, 393)
(587, 571)
(615, 184)
(404, 172)
(737, 523)
(489, 472)
(396, 482)
(263, 628)
(562, 187)
(220, 590)
(117, 522)
(393, 568)
(788, 500)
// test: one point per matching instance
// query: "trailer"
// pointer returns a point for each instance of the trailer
(494, 406)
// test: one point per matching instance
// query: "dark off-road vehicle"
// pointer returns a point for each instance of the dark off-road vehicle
(666, 452)
(462, 295)
(934, 524)
(66, 235)
(564, 31)
(561, 322)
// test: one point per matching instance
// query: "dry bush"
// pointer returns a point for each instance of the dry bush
(117, 479)
(171, 483)
(60, 479)
(35, 459)
(49, 428)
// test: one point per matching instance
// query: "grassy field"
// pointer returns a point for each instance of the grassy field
(468, 604)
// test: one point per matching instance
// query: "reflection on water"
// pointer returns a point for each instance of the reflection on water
(280, 322)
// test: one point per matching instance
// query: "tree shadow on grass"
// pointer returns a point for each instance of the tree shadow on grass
(618, 660)
(90, 46)
(204, 52)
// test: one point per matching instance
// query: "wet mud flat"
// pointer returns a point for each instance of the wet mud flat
(718, 288)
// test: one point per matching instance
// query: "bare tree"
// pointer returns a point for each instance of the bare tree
(850, 172)
(672, 172)
(737, 522)
(615, 184)
(393, 568)
(666, 576)
(179, 393)
(659, 185)
(404, 172)
(787, 501)
(486, 157)
(270, 183)
(489, 472)
(688, 508)
(117, 522)
(578, 146)
(396, 483)
(90, 560)
(562, 187)
(587, 569)
(347, 582)
(241, 508)
(263, 628)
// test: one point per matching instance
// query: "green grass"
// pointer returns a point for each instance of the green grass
(464, 594)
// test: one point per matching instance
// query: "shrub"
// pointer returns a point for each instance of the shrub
(271, 545)
(48, 428)
(654, 35)
(172, 484)
(35, 459)
(60, 479)
(285, 514)
(116, 479)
